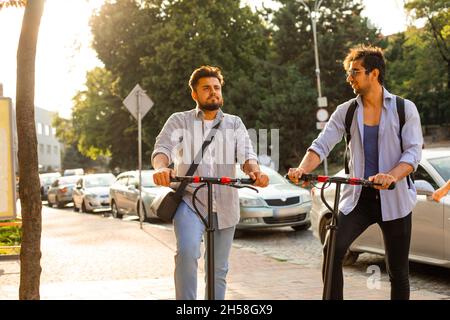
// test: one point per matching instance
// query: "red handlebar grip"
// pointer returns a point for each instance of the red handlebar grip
(354, 181)
(225, 180)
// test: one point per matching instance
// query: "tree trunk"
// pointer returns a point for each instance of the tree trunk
(30, 255)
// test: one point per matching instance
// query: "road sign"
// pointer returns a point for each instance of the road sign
(7, 171)
(138, 103)
(320, 125)
(322, 102)
(138, 100)
(322, 115)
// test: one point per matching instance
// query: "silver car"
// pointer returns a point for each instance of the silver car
(46, 180)
(430, 237)
(92, 192)
(124, 194)
(60, 192)
(280, 204)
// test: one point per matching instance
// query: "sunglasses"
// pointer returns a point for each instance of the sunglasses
(354, 72)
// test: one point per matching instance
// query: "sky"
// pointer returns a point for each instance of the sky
(64, 54)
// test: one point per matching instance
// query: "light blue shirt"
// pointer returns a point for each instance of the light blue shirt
(395, 203)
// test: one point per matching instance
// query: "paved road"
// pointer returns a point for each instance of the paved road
(87, 256)
(303, 248)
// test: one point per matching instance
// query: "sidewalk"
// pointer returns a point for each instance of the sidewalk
(134, 264)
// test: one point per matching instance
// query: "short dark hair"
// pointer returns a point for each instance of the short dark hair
(372, 58)
(205, 72)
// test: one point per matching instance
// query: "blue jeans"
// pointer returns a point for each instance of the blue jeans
(189, 230)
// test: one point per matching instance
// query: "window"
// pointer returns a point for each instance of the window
(123, 180)
(49, 149)
(422, 174)
(47, 130)
(39, 128)
(41, 148)
(55, 150)
(53, 131)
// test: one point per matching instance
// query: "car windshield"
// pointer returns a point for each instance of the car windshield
(68, 180)
(99, 181)
(442, 166)
(274, 177)
(48, 179)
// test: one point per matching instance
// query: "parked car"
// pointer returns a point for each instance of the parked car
(124, 194)
(73, 172)
(46, 180)
(60, 192)
(280, 204)
(430, 237)
(91, 192)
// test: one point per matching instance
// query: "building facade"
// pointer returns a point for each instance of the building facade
(49, 148)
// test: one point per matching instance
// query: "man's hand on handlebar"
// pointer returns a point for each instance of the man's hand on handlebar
(295, 174)
(261, 179)
(162, 176)
(384, 179)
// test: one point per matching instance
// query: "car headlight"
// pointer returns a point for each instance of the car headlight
(251, 202)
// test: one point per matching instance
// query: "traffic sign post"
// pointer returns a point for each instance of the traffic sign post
(139, 103)
(322, 118)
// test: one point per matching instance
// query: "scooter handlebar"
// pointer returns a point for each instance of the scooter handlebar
(352, 181)
(218, 180)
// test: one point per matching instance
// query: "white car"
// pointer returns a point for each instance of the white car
(91, 192)
(430, 237)
(280, 204)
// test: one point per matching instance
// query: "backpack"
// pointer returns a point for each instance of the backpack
(348, 123)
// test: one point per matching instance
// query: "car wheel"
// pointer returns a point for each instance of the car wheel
(238, 233)
(302, 227)
(59, 204)
(83, 207)
(75, 208)
(115, 211)
(324, 222)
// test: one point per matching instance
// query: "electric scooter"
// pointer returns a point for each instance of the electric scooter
(332, 227)
(208, 182)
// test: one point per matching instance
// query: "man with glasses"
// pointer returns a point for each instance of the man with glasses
(378, 152)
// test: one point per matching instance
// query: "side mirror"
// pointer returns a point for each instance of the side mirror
(424, 187)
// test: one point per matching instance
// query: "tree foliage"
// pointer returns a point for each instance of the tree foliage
(158, 44)
(437, 14)
(418, 61)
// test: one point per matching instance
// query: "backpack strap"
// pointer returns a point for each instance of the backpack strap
(348, 123)
(401, 118)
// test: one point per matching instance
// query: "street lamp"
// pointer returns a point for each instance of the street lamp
(321, 101)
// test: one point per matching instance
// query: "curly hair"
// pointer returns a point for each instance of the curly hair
(205, 72)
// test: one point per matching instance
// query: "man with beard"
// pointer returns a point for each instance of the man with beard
(178, 143)
(382, 151)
